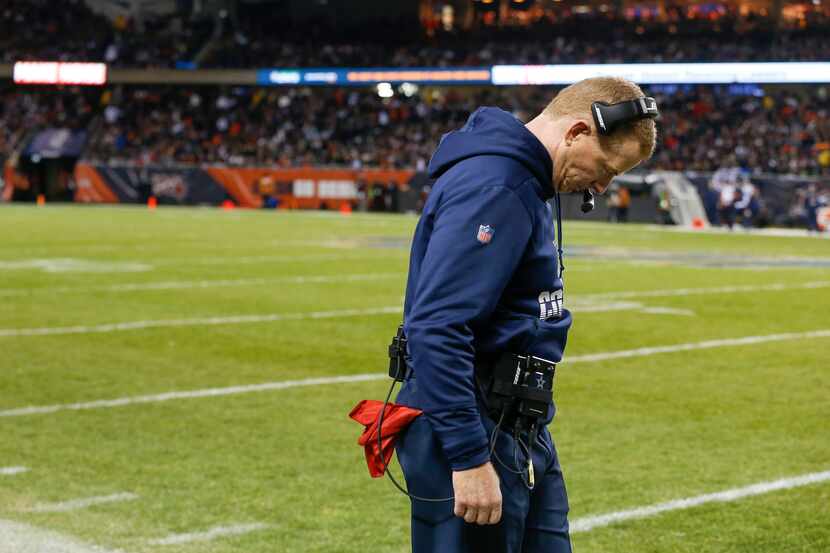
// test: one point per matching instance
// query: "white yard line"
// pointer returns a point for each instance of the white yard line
(192, 284)
(766, 232)
(16, 537)
(650, 229)
(211, 534)
(772, 287)
(585, 301)
(583, 305)
(285, 384)
(81, 503)
(95, 265)
(667, 311)
(73, 265)
(209, 392)
(587, 524)
(11, 471)
(195, 321)
(580, 307)
(706, 344)
(253, 259)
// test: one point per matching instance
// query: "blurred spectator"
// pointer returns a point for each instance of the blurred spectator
(813, 202)
(747, 204)
(619, 200)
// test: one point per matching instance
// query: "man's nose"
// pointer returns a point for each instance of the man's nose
(599, 187)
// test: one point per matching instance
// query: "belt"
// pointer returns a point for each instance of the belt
(510, 384)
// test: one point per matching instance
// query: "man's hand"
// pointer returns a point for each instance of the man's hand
(477, 494)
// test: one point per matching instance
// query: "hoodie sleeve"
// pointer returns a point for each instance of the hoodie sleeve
(462, 278)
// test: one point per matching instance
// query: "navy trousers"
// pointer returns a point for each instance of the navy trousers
(532, 521)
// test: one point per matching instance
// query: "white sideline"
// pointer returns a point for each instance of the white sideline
(16, 537)
(311, 279)
(589, 523)
(82, 503)
(190, 284)
(11, 471)
(253, 259)
(706, 344)
(778, 286)
(73, 265)
(195, 321)
(582, 303)
(209, 392)
(249, 319)
(667, 311)
(211, 534)
(281, 385)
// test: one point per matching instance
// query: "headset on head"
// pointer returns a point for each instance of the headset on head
(609, 117)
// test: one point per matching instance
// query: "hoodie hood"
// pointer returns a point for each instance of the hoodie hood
(493, 131)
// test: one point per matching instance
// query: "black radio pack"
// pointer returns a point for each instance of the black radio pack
(527, 381)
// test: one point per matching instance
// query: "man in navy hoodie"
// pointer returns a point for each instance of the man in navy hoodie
(485, 277)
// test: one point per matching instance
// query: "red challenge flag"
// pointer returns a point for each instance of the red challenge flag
(395, 420)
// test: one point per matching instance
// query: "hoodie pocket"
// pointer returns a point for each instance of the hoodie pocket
(550, 337)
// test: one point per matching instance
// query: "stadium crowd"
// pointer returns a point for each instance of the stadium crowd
(262, 52)
(24, 111)
(702, 128)
(36, 30)
(571, 39)
(33, 29)
(779, 132)
(289, 127)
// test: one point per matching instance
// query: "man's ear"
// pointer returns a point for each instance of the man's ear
(576, 129)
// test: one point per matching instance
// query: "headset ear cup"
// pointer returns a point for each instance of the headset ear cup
(599, 121)
(610, 116)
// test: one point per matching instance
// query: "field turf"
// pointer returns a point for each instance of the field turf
(102, 303)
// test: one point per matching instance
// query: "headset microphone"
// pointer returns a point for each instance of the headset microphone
(587, 201)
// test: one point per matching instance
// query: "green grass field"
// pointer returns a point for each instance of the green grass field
(210, 299)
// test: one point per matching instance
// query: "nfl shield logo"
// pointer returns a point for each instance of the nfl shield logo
(485, 234)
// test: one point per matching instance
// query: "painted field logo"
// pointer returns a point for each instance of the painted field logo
(485, 234)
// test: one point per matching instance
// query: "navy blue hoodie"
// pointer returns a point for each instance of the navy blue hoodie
(483, 276)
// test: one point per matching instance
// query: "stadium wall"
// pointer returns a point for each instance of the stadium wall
(393, 190)
(300, 188)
